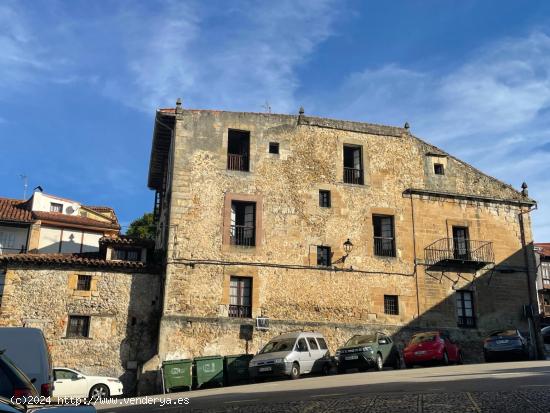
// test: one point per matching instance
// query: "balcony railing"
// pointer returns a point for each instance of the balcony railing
(240, 311)
(384, 246)
(237, 162)
(464, 321)
(4, 251)
(353, 176)
(459, 251)
(243, 235)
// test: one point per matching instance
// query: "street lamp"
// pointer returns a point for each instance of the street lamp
(348, 246)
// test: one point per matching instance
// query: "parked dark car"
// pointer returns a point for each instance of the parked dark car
(432, 347)
(368, 351)
(13, 382)
(505, 345)
(546, 334)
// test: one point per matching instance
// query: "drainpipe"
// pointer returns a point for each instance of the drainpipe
(533, 318)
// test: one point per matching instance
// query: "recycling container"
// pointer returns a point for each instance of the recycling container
(209, 370)
(177, 374)
(236, 368)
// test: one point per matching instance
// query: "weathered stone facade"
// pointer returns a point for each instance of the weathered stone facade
(189, 169)
(123, 306)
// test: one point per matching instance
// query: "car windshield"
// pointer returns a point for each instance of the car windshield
(422, 338)
(358, 340)
(283, 344)
(504, 333)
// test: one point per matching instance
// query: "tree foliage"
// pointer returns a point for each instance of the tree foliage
(143, 227)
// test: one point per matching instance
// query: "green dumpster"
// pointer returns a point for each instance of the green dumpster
(209, 370)
(236, 368)
(177, 374)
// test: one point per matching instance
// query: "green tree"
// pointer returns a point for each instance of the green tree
(143, 227)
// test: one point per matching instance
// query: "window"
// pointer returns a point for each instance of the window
(384, 238)
(79, 326)
(243, 223)
(240, 297)
(322, 343)
(465, 309)
(84, 282)
(54, 207)
(439, 169)
(545, 272)
(323, 256)
(391, 305)
(64, 375)
(127, 254)
(2, 284)
(7, 242)
(238, 150)
(324, 199)
(312, 343)
(461, 243)
(353, 165)
(301, 345)
(274, 148)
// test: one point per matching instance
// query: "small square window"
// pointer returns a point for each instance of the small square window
(274, 148)
(391, 305)
(84, 282)
(323, 256)
(439, 169)
(79, 326)
(54, 207)
(324, 199)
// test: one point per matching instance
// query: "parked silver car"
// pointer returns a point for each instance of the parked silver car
(291, 354)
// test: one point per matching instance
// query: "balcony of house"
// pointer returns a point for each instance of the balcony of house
(459, 252)
(240, 311)
(243, 235)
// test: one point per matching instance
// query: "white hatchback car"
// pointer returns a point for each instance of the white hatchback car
(73, 383)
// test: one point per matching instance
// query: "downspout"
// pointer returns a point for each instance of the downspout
(415, 263)
(535, 319)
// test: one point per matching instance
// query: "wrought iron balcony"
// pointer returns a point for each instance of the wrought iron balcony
(237, 162)
(240, 311)
(353, 176)
(459, 251)
(384, 246)
(243, 235)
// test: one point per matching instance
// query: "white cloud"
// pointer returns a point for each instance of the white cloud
(249, 56)
(492, 110)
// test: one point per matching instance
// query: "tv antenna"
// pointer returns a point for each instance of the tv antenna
(267, 107)
(25, 179)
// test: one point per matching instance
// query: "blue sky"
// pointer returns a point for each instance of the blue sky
(80, 81)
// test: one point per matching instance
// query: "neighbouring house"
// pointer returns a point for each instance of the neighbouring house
(99, 310)
(50, 224)
(338, 226)
(542, 253)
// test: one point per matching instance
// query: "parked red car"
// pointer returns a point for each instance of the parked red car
(432, 347)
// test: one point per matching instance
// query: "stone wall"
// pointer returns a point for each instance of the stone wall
(286, 285)
(124, 309)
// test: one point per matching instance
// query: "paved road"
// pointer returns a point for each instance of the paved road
(499, 387)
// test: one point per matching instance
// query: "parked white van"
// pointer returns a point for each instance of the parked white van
(28, 350)
(292, 354)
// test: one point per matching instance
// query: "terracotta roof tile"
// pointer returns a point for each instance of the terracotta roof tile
(73, 219)
(127, 240)
(87, 260)
(15, 210)
(544, 248)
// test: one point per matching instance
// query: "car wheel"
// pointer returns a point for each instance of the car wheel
(408, 366)
(295, 371)
(460, 360)
(99, 391)
(445, 359)
(379, 362)
(326, 369)
(397, 362)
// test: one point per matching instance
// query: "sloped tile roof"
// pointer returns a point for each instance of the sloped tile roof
(127, 240)
(74, 260)
(544, 248)
(15, 210)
